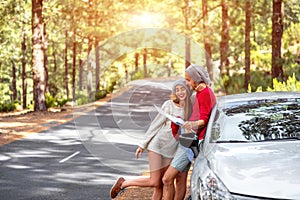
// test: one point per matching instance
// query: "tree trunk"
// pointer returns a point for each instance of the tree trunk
(207, 45)
(224, 45)
(80, 74)
(170, 65)
(74, 66)
(66, 65)
(186, 14)
(126, 72)
(38, 69)
(136, 61)
(277, 31)
(97, 59)
(14, 81)
(89, 69)
(90, 45)
(54, 76)
(145, 63)
(24, 77)
(247, 43)
(45, 42)
(187, 51)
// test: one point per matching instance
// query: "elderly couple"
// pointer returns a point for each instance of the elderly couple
(169, 162)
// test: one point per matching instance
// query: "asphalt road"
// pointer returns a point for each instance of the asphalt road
(82, 158)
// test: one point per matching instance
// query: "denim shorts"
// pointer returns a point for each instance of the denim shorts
(181, 161)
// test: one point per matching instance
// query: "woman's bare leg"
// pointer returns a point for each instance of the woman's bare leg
(157, 166)
(168, 180)
(181, 185)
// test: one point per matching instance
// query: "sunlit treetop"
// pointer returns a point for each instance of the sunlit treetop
(146, 20)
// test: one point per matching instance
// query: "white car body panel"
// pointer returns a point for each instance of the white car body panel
(266, 169)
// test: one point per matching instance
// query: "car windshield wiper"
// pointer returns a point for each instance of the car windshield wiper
(280, 139)
(232, 141)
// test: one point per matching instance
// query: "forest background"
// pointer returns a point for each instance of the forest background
(54, 51)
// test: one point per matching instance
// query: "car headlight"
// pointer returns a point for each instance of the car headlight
(207, 186)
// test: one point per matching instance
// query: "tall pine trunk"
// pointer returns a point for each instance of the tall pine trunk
(66, 65)
(54, 74)
(89, 68)
(90, 46)
(39, 82)
(136, 61)
(247, 43)
(80, 74)
(186, 14)
(74, 65)
(277, 31)
(97, 74)
(224, 45)
(187, 51)
(145, 62)
(45, 42)
(14, 81)
(207, 45)
(24, 76)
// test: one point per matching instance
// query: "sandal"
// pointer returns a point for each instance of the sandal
(116, 189)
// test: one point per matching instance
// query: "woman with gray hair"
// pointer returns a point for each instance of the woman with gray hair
(198, 74)
(198, 79)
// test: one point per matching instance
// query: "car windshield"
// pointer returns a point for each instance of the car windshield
(259, 120)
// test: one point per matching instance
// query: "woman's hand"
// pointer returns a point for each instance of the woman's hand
(188, 126)
(138, 152)
(192, 125)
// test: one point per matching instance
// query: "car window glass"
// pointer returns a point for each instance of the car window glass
(257, 120)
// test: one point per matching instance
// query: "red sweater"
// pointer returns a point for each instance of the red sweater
(205, 100)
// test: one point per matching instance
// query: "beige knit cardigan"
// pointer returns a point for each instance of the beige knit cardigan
(159, 137)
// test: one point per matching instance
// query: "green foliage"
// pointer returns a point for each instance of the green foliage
(110, 87)
(55, 102)
(292, 84)
(261, 60)
(81, 99)
(291, 35)
(8, 106)
(50, 101)
(61, 102)
(260, 80)
(30, 106)
(100, 94)
(137, 75)
(234, 84)
(291, 13)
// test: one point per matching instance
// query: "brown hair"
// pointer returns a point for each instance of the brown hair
(187, 105)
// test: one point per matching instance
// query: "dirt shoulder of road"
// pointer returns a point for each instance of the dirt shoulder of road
(19, 124)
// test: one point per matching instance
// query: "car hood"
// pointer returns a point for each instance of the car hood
(262, 169)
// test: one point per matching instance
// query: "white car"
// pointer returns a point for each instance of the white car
(251, 149)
